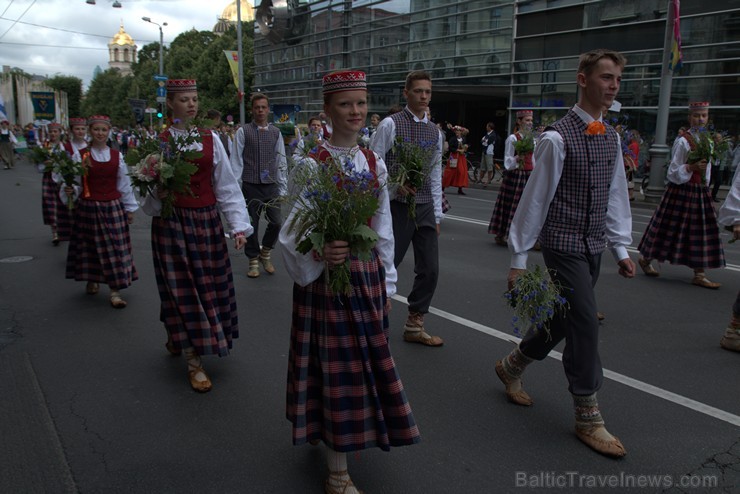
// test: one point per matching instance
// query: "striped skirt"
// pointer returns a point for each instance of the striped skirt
(343, 387)
(54, 212)
(100, 245)
(196, 287)
(683, 229)
(508, 199)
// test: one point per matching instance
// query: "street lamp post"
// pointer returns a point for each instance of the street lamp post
(161, 48)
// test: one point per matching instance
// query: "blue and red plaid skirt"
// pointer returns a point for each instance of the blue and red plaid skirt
(55, 213)
(343, 387)
(196, 287)
(683, 229)
(507, 201)
(100, 245)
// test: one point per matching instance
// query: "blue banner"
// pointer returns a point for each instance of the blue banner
(43, 106)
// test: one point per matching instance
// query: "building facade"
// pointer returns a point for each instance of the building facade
(489, 58)
(121, 52)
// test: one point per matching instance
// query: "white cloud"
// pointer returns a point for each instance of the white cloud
(43, 51)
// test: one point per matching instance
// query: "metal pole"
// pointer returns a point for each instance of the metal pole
(659, 152)
(240, 89)
(161, 65)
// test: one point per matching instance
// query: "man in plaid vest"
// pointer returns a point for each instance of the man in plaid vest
(259, 159)
(412, 125)
(577, 204)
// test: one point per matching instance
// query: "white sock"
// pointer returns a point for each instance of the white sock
(338, 476)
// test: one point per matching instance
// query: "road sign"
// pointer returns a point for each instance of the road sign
(161, 99)
(161, 92)
(160, 77)
(150, 110)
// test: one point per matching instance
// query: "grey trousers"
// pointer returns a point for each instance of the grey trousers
(577, 273)
(422, 234)
(262, 198)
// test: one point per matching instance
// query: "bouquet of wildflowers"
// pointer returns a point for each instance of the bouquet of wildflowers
(69, 170)
(702, 149)
(336, 203)
(535, 299)
(523, 147)
(42, 155)
(413, 166)
(165, 165)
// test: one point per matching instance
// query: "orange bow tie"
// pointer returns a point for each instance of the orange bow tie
(595, 128)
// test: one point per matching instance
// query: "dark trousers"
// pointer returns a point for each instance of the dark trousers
(262, 198)
(422, 233)
(577, 274)
(716, 179)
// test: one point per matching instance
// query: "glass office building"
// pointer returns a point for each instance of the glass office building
(489, 58)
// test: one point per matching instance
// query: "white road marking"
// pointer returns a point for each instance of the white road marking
(614, 376)
(731, 267)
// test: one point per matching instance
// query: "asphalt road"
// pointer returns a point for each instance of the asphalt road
(91, 402)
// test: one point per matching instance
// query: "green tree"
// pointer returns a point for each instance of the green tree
(108, 95)
(73, 87)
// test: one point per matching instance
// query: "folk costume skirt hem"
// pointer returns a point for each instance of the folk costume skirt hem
(54, 212)
(507, 201)
(196, 286)
(683, 229)
(343, 386)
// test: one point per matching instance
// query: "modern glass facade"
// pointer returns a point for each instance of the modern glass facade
(489, 58)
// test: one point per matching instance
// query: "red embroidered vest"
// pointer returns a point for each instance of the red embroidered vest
(527, 157)
(201, 182)
(102, 177)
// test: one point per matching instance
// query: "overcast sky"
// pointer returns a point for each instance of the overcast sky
(70, 37)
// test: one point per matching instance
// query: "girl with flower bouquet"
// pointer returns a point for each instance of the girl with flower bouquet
(191, 258)
(683, 229)
(343, 387)
(519, 163)
(100, 244)
(55, 213)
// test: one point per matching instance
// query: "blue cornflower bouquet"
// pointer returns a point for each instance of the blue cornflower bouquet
(536, 298)
(336, 202)
(164, 164)
(414, 164)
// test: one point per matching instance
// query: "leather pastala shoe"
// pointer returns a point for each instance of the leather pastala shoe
(519, 397)
(593, 437)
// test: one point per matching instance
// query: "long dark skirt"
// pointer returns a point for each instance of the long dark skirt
(100, 245)
(683, 229)
(54, 212)
(196, 287)
(343, 387)
(507, 201)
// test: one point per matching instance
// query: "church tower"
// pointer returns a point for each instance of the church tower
(121, 52)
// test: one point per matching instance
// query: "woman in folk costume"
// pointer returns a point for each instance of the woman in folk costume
(518, 169)
(7, 140)
(191, 258)
(343, 387)
(78, 142)
(56, 214)
(683, 229)
(456, 173)
(100, 244)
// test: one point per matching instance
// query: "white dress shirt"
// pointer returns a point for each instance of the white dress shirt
(729, 213)
(303, 268)
(510, 159)
(384, 139)
(678, 170)
(538, 194)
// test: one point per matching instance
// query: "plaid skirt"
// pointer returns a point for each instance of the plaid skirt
(100, 245)
(683, 229)
(54, 212)
(343, 387)
(508, 199)
(196, 287)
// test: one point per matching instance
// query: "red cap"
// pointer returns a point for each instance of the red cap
(77, 121)
(699, 105)
(182, 86)
(347, 80)
(524, 113)
(96, 119)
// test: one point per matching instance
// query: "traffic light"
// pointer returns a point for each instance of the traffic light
(160, 110)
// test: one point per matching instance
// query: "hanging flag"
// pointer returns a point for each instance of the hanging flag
(675, 62)
(233, 58)
(3, 113)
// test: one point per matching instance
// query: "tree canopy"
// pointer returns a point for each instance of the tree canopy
(191, 55)
(73, 87)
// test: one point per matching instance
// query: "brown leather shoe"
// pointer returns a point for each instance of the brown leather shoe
(501, 241)
(199, 386)
(613, 449)
(600, 316)
(731, 340)
(518, 397)
(703, 281)
(422, 337)
(648, 268)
